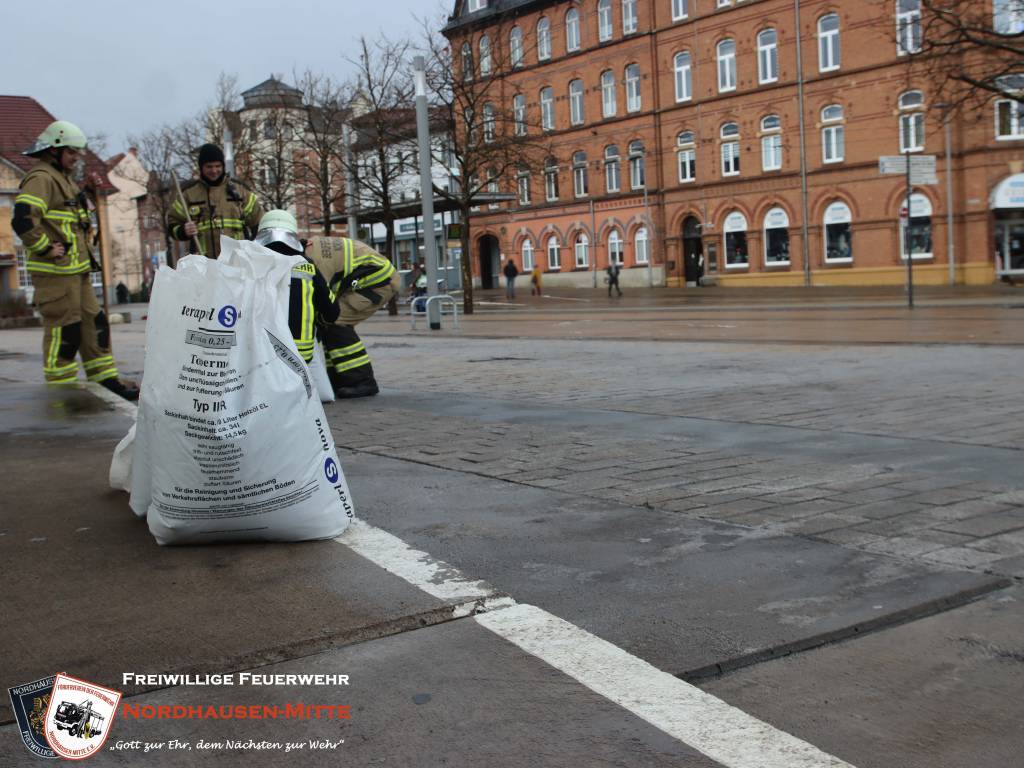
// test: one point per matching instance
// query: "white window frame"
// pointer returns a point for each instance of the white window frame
(553, 251)
(726, 65)
(634, 99)
(580, 177)
(543, 39)
(841, 218)
(526, 254)
(730, 151)
(609, 95)
(1016, 120)
(637, 166)
(467, 62)
(551, 183)
(771, 143)
(908, 29)
(630, 19)
(680, 9)
(612, 170)
(523, 184)
(519, 114)
(686, 157)
(616, 248)
(923, 207)
(766, 229)
(581, 250)
(476, 5)
(732, 227)
(489, 123)
(484, 51)
(572, 30)
(1008, 17)
(605, 21)
(682, 63)
(768, 57)
(833, 136)
(911, 132)
(576, 113)
(829, 45)
(641, 246)
(547, 108)
(515, 45)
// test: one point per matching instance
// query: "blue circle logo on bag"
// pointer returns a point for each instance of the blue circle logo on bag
(331, 470)
(227, 316)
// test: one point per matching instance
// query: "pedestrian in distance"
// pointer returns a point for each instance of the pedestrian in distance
(217, 205)
(511, 273)
(122, 293)
(51, 216)
(360, 281)
(613, 271)
(535, 279)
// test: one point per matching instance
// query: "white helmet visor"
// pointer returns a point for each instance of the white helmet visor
(267, 237)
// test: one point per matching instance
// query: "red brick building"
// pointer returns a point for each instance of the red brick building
(678, 139)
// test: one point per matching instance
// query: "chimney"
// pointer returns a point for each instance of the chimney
(133, 151)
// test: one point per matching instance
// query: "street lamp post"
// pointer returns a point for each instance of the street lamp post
(426, 191)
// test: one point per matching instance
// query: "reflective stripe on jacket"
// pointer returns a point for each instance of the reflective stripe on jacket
(50, 210)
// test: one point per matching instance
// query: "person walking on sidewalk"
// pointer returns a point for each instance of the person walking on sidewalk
(511, 273)
(613, 271)
(51, 216)
(535, 277)
(217, 204)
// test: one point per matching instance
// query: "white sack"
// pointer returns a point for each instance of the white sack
(121, 464)
(318, 370)
(231, 439)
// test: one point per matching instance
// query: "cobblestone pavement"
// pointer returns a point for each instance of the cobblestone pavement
(909, 451)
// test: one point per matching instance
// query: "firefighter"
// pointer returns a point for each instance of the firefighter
(361, 281)
(51, 216)
(309, 300)
(217, 204)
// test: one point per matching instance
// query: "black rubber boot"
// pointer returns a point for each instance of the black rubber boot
(128, 391)
(366, 389)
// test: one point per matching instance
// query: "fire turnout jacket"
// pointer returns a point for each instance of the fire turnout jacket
(348, 265)
(228, 208)
(51, 209)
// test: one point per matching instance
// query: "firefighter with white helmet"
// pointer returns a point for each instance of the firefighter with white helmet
(360, 281)
(51, 216)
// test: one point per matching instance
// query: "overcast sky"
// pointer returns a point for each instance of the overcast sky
(120, 67)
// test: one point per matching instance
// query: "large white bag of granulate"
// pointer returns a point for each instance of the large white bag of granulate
(231, 442)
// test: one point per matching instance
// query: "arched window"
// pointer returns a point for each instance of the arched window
(554, 257)
(686, 150)
(730, 149)
(637, 169)
(485, 56)
(727, 65)
(547, 109)
(735, 230)
(1008, 17)
(515, 47)
(771, 143)
(519, 114)
(609, 99)
(641, 246)
(908, 26)
(833, 134)
(582, 250)
(612, 169)
(767, 56)
(776, 237)
(838, 233)
(684, 76)
(828, 42)
(633, 88)
(629, 18)
(551, 179)
(576, 102)
(543, 39)
(572, 30)
(580, 183)
(615, 248)
(920, 227)
(911, 104)
(604, 20)
(467, 61)
(527, 254)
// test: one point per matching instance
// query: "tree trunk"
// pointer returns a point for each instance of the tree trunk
(467, 265)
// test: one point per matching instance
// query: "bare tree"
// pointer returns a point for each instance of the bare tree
(161, 153)
(272, 158)
(971, 51)
(491, 144)
(319, 166)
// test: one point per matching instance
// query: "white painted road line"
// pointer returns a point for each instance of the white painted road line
(683, 711)
(118, 403)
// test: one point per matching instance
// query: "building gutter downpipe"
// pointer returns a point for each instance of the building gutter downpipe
(805, 245)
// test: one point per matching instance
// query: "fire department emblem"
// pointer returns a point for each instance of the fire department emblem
(30, 702)
(79, 717)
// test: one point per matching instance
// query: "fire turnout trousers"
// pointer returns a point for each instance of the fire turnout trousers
(347, 360)
(73, 325)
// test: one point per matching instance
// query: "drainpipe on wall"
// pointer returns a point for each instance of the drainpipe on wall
(593, 230)
(805, 245)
